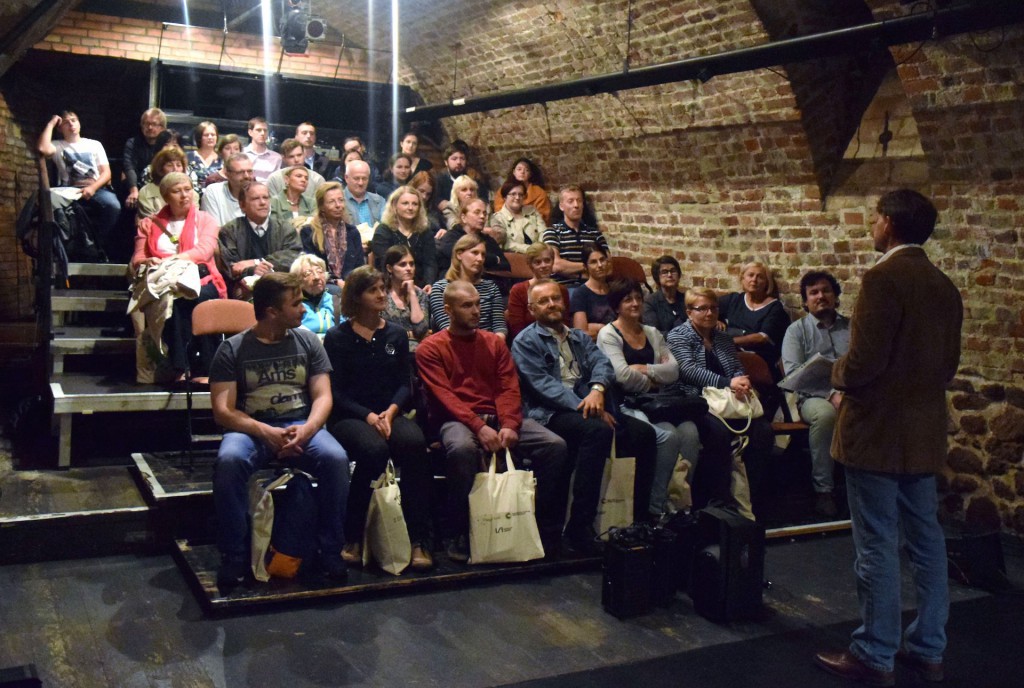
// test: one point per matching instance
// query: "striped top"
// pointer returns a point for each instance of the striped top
(569, 243)
(492, 307)
(687, 348)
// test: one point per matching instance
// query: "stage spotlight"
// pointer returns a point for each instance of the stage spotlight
(293, 29)
(316, 29)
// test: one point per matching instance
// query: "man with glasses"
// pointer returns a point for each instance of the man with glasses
(256, 243)
(565, 380)
(221, 199)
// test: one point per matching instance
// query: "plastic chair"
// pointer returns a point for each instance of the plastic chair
(213, 317)
(628, 268)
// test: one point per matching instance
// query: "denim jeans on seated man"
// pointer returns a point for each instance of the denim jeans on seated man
(240, 456)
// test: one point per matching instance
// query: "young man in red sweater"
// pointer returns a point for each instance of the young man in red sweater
(473, 396)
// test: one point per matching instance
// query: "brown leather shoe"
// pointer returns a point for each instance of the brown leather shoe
(932, 672)
(846, 664)
(421, 559)
(352, 553)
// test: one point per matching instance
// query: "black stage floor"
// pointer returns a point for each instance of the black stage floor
(133, 622)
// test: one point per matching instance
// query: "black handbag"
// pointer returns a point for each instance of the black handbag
(668, 407)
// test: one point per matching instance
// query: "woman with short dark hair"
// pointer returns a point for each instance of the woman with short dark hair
(367, 418)
(664, 307)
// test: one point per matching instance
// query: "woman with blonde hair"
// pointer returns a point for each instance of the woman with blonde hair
(330, 236)
(464, 190)
(404, 223)
(292, 205)
(467, 264)
(754, 317)
(541, 260)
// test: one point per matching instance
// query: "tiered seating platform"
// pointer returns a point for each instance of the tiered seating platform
(182, 502)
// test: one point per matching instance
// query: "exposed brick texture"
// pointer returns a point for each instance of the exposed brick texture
(723, 171)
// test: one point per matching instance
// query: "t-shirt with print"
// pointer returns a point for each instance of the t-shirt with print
(78, 163)
(273, 379)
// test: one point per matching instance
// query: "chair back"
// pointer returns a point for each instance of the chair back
(222, 316)
(519, 265)
(757, 369)
(627, 268)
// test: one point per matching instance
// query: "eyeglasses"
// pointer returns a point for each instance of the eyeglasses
(704, 309)
(310, 272)
(668, 272)
(515, 194)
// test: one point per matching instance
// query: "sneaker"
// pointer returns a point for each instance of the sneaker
(335, 568)
(421, 558)
(232, 572)
(352, 553)
(458, 549)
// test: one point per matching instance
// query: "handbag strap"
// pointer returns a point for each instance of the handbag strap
(750, 419)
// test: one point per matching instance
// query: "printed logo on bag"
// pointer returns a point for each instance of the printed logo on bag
(613, 500)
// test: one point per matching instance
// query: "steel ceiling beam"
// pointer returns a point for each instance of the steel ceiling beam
(964, 17)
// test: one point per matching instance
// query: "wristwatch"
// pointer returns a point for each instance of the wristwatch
(597, 387)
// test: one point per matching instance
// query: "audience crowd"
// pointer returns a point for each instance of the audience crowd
(404, 278)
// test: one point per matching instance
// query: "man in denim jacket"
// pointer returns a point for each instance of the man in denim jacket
(564, 378)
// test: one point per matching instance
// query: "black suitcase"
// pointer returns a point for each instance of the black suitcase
(726, 581)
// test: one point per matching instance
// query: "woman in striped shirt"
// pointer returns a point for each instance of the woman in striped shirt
(707, 358)
(468, 256)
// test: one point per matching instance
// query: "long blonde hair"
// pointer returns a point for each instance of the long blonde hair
(316, 222)
(390, 215)
(461, 246)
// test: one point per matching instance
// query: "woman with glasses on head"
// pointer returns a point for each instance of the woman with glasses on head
(664, 307)
(320, 306)
(408, 305)
(707, 358)
(518, 226)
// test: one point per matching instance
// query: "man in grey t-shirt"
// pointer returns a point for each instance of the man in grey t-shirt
(270, 389)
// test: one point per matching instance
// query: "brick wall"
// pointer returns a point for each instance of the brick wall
(83, 33)
(19, 178)
(720, 172)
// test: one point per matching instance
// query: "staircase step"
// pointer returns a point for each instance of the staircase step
(88, 340)
(96, 300)
(98, 269)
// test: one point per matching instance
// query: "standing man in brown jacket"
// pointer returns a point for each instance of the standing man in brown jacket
(891, 436)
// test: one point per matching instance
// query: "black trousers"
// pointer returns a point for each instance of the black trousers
(178, 332)
(407, 448)
(713, 475)
(589, 442)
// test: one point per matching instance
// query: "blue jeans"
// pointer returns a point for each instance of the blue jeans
(886, 508)
(241, 455)
(668, 448)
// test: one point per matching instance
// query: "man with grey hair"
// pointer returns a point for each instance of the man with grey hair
(221, 199)
(364, 207)
(256, 243)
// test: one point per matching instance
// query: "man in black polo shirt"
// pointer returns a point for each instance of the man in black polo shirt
(567, 237)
